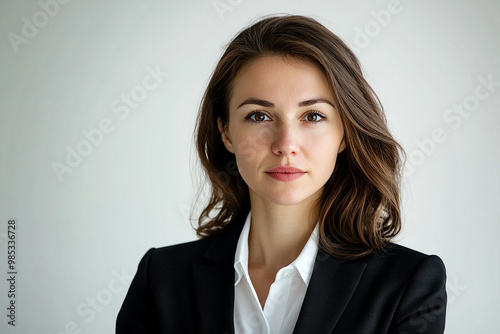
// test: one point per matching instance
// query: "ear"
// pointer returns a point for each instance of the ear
(342, 145)
(226, 139)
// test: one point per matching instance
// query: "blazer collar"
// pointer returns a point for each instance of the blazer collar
(332, 284)
(214, 280)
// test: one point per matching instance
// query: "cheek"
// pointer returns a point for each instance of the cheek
(324, 147)
(248, 144)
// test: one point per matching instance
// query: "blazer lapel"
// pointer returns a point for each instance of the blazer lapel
(332, 284)
(214, 280)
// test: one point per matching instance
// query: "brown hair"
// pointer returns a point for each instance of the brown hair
(359, 210)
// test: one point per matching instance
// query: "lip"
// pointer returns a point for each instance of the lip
(285, 173)
(285, 169)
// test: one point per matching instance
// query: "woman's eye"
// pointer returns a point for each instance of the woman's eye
(256, 116)
(315, 117)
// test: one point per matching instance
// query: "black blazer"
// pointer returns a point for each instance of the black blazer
(189, 288)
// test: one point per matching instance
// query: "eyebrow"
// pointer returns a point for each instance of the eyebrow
(264, 103)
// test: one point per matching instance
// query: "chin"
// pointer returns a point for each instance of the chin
(287, 199)
(283, 196)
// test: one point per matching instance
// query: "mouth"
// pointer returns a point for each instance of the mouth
(285, 173)
(285, 169)
(285, 176)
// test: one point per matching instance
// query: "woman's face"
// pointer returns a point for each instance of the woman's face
(281, 114)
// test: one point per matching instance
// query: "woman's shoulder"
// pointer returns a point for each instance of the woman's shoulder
(176, 254)
(396, 253)
(403, 261)
(216, 247)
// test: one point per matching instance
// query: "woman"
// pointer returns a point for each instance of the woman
(305, 183)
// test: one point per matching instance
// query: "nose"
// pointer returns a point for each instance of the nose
(285, 141)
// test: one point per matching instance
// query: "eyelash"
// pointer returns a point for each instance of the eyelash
(317, 113)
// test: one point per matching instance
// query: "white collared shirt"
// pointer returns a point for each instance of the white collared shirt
(286, 294)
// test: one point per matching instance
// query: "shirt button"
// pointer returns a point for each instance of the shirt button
(287, 273)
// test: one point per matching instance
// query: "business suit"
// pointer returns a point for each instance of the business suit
(189, 288)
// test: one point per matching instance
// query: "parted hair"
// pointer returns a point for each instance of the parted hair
(359, 209)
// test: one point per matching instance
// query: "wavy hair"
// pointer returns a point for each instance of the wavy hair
(359, 210)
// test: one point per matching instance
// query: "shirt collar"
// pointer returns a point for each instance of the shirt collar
(241, 256)
(304, 263)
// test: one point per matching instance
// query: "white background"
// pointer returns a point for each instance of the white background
(81, 236)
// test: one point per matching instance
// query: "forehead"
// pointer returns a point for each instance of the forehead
(275, 78)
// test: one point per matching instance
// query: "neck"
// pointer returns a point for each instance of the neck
(278, 233)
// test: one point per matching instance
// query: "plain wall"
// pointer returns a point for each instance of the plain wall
(83, 224)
